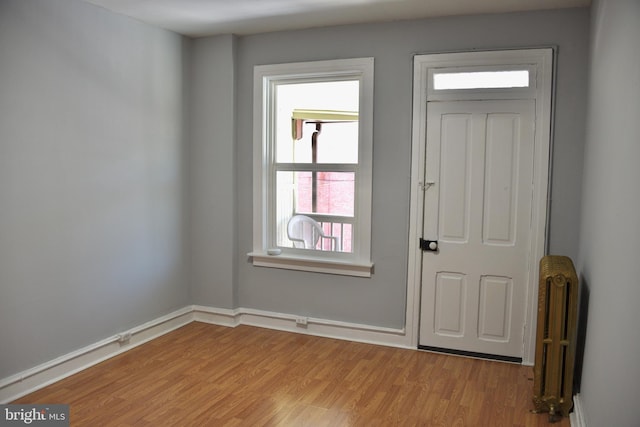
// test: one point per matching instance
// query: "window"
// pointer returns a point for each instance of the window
(312, 166)
(480, 80)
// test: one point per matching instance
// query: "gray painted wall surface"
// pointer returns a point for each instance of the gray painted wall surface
(211, 156)
(610, 233)
(381, 300)
(91, 177)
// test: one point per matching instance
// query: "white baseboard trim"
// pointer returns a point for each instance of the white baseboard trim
(577, 417)
(28, 381)
(311, 326)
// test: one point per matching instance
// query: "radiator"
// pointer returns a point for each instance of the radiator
(555, 337)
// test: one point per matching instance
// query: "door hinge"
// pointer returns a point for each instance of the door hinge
(428, 245)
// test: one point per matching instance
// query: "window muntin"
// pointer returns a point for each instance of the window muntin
(292, 102)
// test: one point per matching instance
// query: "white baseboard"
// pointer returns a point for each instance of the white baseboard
(312, 326)
(28, 381)
(577, 417)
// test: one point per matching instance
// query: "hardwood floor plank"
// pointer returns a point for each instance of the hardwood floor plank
(206, 375)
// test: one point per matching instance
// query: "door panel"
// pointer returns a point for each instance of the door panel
(455, 177)
(500, 179)
(495, 308)
(451, 306)
(479, 156)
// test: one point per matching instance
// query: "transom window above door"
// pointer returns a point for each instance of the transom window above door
(447, 80)
(508, 81)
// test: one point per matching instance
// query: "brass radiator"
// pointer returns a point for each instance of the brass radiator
(555, 337)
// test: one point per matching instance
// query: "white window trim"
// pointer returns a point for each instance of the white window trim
(359, 262)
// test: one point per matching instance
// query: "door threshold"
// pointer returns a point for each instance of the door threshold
(472, 354)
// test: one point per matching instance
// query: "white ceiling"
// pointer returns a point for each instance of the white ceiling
(197, 18)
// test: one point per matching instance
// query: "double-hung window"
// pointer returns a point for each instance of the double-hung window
(313, 124)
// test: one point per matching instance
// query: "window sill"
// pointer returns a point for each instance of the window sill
(301, 263)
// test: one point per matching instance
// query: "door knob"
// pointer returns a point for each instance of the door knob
(429, 245)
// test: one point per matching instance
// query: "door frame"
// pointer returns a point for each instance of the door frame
(541, 61)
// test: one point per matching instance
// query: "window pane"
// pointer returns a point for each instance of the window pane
(335, 192)
(337, 141)
(481, 80)
(333, 213)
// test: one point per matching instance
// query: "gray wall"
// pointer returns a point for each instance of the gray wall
(381, 300)
(610, 232)
(211, 154)
(92, 235)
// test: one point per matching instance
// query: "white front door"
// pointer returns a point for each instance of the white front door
(477, 206)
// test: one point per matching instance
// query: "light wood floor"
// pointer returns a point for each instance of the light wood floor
(206, 375)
